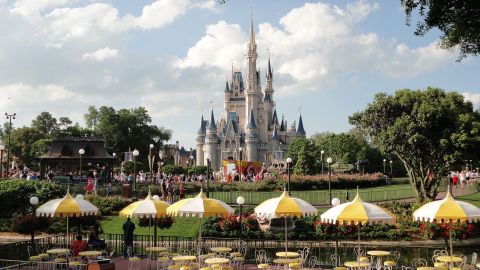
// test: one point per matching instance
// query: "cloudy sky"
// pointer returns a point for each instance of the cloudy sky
(173, 57)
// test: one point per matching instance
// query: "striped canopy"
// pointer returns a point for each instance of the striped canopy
(67, 206)
(149, 207)
(285, 206)
(447, 210)
(200, 206)
(357, 212)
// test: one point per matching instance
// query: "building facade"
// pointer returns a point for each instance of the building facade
(250, 130)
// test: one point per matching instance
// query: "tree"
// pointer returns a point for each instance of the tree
(305, 155)
(46, 125)
(427, 130)
(458, 20)
(64, 122)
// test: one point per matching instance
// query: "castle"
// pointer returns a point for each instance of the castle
(250, 131)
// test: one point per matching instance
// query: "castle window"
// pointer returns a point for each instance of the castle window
(236, 94)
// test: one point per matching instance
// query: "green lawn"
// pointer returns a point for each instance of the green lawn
(183, 226)
(472, 198)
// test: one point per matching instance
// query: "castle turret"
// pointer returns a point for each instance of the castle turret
(200, 141)
(211, 142)
(251, 138)
(300, 130)
(253, 93)
(228, 94)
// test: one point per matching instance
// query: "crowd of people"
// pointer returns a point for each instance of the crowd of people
(462, 178)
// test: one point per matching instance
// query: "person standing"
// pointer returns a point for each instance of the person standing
(128, 228)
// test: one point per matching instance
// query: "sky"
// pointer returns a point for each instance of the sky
(173, 57)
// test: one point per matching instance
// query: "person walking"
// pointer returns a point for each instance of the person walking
(128, 228)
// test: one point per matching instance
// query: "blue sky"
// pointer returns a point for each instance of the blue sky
(173, 56)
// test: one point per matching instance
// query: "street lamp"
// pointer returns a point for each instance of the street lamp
(240, 202)
(289, 162)
(2, 148)
(208, 174)
(9, 117)
(329, 161)
(190, 163)
(240, 151)
(321, 158)
(81, 152)
(391, 170)
(135, 154)
(384, 160)
(33, 202)
(151, 159)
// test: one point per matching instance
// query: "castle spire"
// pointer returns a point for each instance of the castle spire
(300, 129)
(269, 69)
(251, 121)
(252, 33)
(227, 88)
(275, 133)
(282, 125)
(202, 130)
(211, 124)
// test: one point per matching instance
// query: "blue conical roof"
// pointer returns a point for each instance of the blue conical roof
(300, 129)
(274, 118)
(269, 70)
(275, 133)
(227, 88)
(211, 124)
(282, 125)
(251, 121)
(201, 130)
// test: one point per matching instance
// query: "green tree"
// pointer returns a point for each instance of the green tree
(21, 143)
(458, 20)
(46, 125)
(40, 147)
(425, 129)
(305, 155)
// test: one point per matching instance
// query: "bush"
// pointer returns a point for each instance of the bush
(107, 206)
(197, 170)
(173, 169)
(129, 167)
(28, 224)
(459, 231)
(15, 195)
(162, 222)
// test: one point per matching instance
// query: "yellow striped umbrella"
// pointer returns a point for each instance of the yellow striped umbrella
(357, 212)
(285, 206)
(148, 207)
(67, 207)
(447, 210)
(200, 206)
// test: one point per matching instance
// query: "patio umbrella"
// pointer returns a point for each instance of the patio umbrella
(150, 207)
(447, 210)
(200, 206)
(357, 212)
(67, 207)
(285, 206)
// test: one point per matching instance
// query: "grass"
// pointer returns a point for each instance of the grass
(183, 226)
(471, 198)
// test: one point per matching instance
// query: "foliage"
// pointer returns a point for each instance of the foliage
(230, 227)
(458, 21)
(173, 169)
(161, 222)
(459, 231)
(107, 206)
(197, 170)
(128, 167)
(427, 130)
(15, 195)
(40, 147)
(28, 224)
(304, 154)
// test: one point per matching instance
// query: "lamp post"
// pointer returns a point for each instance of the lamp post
(384, 160)
(329, 161)
(33, 202)
(321, 158)
(240, 152)
(208, 175)
(135, 154)
(334, 202)
(240, 202)
(9, 117)
(81, 152)
(151, 159)
(289, 162)
(391, 169)
(2, 148)
(190, 158)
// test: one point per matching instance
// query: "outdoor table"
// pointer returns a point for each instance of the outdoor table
(356, 264)
(156, 249)
(184, 259)
(379, 254)
(221, 249)
(449, 259)
(426, 268)
(58, 251)
(285, 262)
(284, 254)
(217, 260)
(90, 254)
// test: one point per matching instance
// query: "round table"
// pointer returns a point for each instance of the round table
(220, 249)
(449, 259)
(156, 249)
(184, 258)
(217, 260)
(90, 254)
(58, 251)
(426, 268)
(356, 264)
(379, 254)
(284, 254)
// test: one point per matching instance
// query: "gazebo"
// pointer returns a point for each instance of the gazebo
(64, 155)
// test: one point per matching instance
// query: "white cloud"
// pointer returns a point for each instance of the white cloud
(101, 54)
(34, 7)
(472, 97)
(160, 13)
(314, 45)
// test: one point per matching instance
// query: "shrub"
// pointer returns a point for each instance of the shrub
(173, 169)
(161, 222)
(107, 206)
(459, 231)
(28, 224)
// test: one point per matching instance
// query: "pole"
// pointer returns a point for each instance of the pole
(241, 166)
(241, 225)
(208, 177)
(1, 164)
(9, 116)
(68, 237)
(33, 231)
(288, 184)
(321, 157)
(80, 169)
(150, 230)
(329, 186)
(134, 174)
(286, 235)
(336, 246)
(155, 232)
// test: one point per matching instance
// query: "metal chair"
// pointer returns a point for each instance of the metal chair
(393, 260)
(419, 262)
(261, 259)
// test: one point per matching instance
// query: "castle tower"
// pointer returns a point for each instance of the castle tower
(200, 141)
(251, 138)
(211, 141)
(300, 130)
(268, 102)
(228, 94)
(253, 92)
